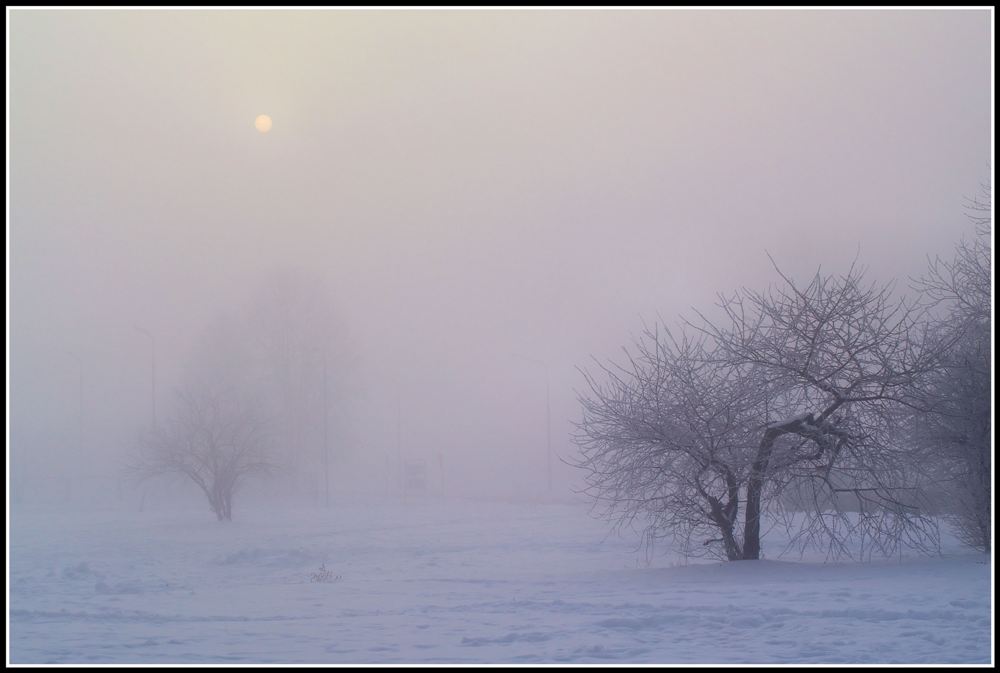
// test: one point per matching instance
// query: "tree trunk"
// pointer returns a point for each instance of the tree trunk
(218, 504)
(755, 486)
(751, 531)
(732, 548)
(724, 519)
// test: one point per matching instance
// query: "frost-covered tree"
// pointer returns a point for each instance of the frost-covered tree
(216, 438)
(955, 431)
(795, 389)
(664, 440)
(847, 357)
(220, 431)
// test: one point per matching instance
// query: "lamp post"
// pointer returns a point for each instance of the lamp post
(79, 430)
(399, 445)
(548, 419)
(152, 342)
(79, 361)
(326, 431)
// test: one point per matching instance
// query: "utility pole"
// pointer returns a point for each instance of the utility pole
(548, 431)
(152, 393)
(548, 418)
(326, 432)
(80, 395)
(79, 429)
(81, 440)
(399, 446)
(152, 342)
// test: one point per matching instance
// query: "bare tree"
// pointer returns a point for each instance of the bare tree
(847, 357)
(795, 389)
(257, 376)
(955, 434)
(664, 442)
(962, 285)
(216, 438)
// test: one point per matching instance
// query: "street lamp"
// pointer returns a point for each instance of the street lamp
(80, 433)
(79, 361)
(152, 342)
(326, 430)
(548, 418)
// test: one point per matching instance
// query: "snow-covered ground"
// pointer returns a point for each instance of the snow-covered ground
(452, 581)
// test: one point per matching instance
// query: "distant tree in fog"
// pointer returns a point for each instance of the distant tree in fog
(216, 437)
(955, 433)
(265, 375)
(795, 389)
(296, 343)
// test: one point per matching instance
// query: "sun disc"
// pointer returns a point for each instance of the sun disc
(263, 123)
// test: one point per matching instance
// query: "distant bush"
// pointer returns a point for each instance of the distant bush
(323, 575)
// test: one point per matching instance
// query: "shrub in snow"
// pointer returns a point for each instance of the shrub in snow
(323, 575)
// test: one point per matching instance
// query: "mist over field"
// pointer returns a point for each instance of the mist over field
(388, 297)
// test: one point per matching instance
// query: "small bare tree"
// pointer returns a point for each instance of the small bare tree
(216, 438)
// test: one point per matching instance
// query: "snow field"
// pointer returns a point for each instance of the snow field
(461, 582)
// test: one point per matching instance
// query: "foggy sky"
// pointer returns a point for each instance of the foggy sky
(471, 186)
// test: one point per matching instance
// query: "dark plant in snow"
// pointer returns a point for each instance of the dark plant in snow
(324, 574)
